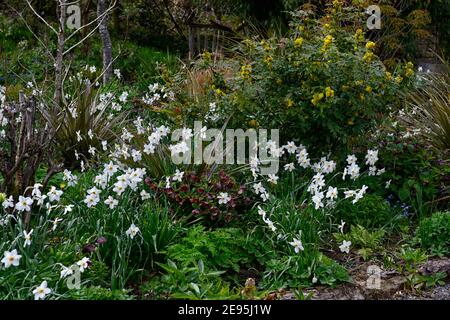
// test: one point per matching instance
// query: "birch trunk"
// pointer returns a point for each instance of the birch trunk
(106, 41)
(62, 12)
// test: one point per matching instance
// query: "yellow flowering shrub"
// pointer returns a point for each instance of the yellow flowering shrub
(328, 92)
(321, 83)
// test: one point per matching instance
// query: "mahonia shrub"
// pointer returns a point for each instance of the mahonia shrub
(321, 84)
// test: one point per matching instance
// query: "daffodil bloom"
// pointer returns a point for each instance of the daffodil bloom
(178, 176)
(259, 188)
(132, 231)
(27, 236)
(24, 204)
(54, 195)
(317, 200)
(223, 198)
(11, 258)
(341, 226)
(145, 195)
(262, 213)
(271, 225)
(41, 291)
(289, 167)
(273, 178)
(297, 244)
(111, 202)
(84, 263)
(345, 246)
(66, 271)
(55, 223)
(8, 203)
(332, 193)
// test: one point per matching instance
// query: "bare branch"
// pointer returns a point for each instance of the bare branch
(81, 41)
(29, 29)
(39, 16)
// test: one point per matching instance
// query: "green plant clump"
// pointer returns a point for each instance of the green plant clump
(433, 233)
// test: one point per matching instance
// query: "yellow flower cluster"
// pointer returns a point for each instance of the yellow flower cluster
(207, 56)
(2, 197)
(246, 71)
(268, 60)
(290, 103)
(370, 45)
(316, 98)
(298, 42)
(337, 3)
(329, 92)
(265, 45)
(359, 35)
(253, 123)
(326, 43)
(409, 71)
(369, 55)
(218, 91)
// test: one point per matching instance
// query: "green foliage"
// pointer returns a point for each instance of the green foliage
(291, 218)
(99, 293)
(299, 270)
(429, 110)
(143, 65)
(371, 212)
(221, 249)
(411, 259)
(83, 114)
(97, 233)
(191, 281)
(436, 279)
(433, 233)
(367, 242)
(418, 174)
(300, 295)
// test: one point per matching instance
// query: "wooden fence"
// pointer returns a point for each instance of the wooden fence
(208, 37)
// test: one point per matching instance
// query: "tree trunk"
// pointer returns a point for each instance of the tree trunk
(61, 11)
(106, 41)
(86, 5)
